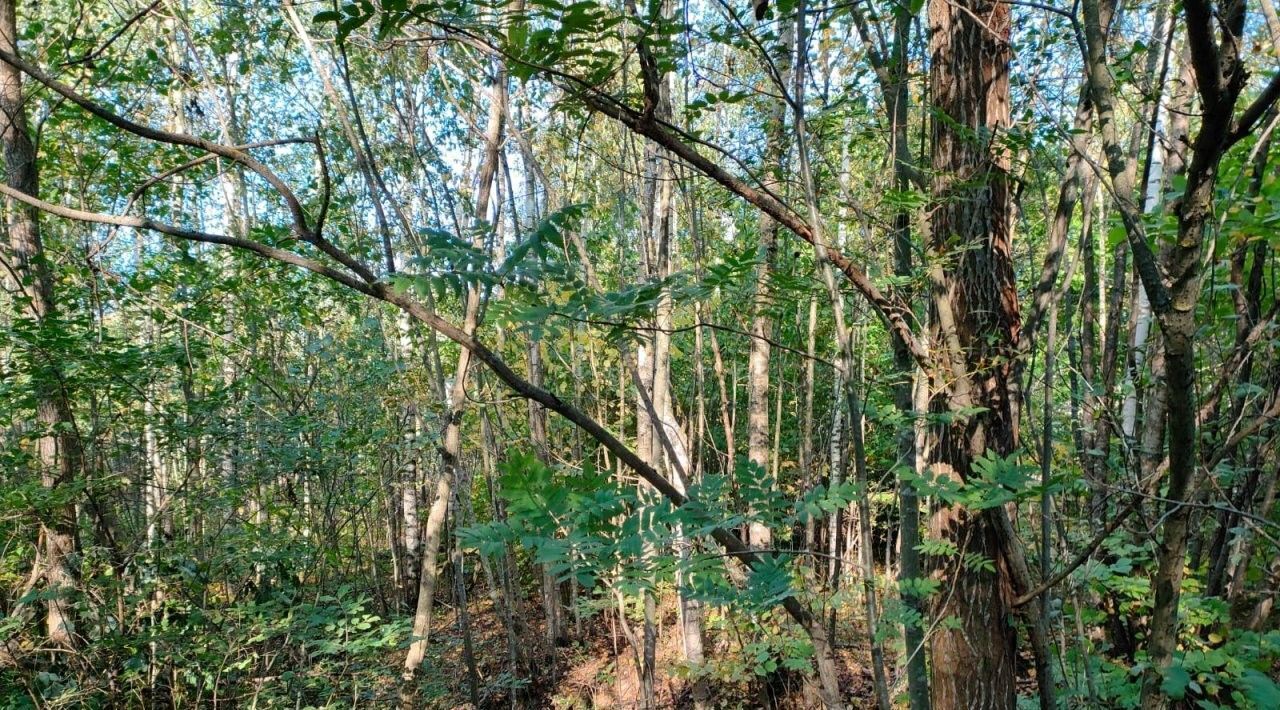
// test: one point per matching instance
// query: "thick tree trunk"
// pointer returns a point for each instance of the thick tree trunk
(977, 322)
(58, 453)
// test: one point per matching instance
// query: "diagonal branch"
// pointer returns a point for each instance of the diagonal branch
(301, 223)
(1254, 112)
(282, 255)
(892, 310)
(380, 290)
(160, 135)
(887, 305)
(1084, 556)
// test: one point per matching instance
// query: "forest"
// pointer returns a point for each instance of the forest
(640, 354)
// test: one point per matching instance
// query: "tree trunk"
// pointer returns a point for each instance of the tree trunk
(1173, 286)
(464, 612)
(865, 553)
(411, 486)
(451, 447)
(1239, 577)
(821, 631)
(909, 568)
(1151, 200)
(679, 460)
(807, 462)
(759, 535)
(551, 603)
(975, 315)
(58, 452)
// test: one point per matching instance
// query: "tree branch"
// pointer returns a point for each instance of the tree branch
(301, 225)
(383, 292)
(1083, 557)
(891, 309)
(1254, 112)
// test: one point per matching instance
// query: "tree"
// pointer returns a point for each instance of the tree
(57, 447)
(975, 317)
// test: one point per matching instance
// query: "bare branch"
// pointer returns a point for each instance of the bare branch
(1254, 112)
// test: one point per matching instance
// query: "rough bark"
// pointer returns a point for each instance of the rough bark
(975, 313)
(58, 453)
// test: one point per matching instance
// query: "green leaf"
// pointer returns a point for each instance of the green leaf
(1261, 690)
(1175, 682)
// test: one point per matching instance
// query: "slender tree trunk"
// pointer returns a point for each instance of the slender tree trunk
(909, 568)
(821, 631)
(678, 461)
(807, 463)
(1273, 22)
(1266, 604)
(499, 581)
(836, 466)
(726, 405)
(551, 603)
(1239, 576)
(1173, 286)
(411, 486)
(652, 363)
(1247, 297)
(1090, 397)
(464, 612)
(1141, 315)
(1046, 449)
(451, 447)
(759, 535)
(866, 555)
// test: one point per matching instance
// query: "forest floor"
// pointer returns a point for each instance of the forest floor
(599, 670)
